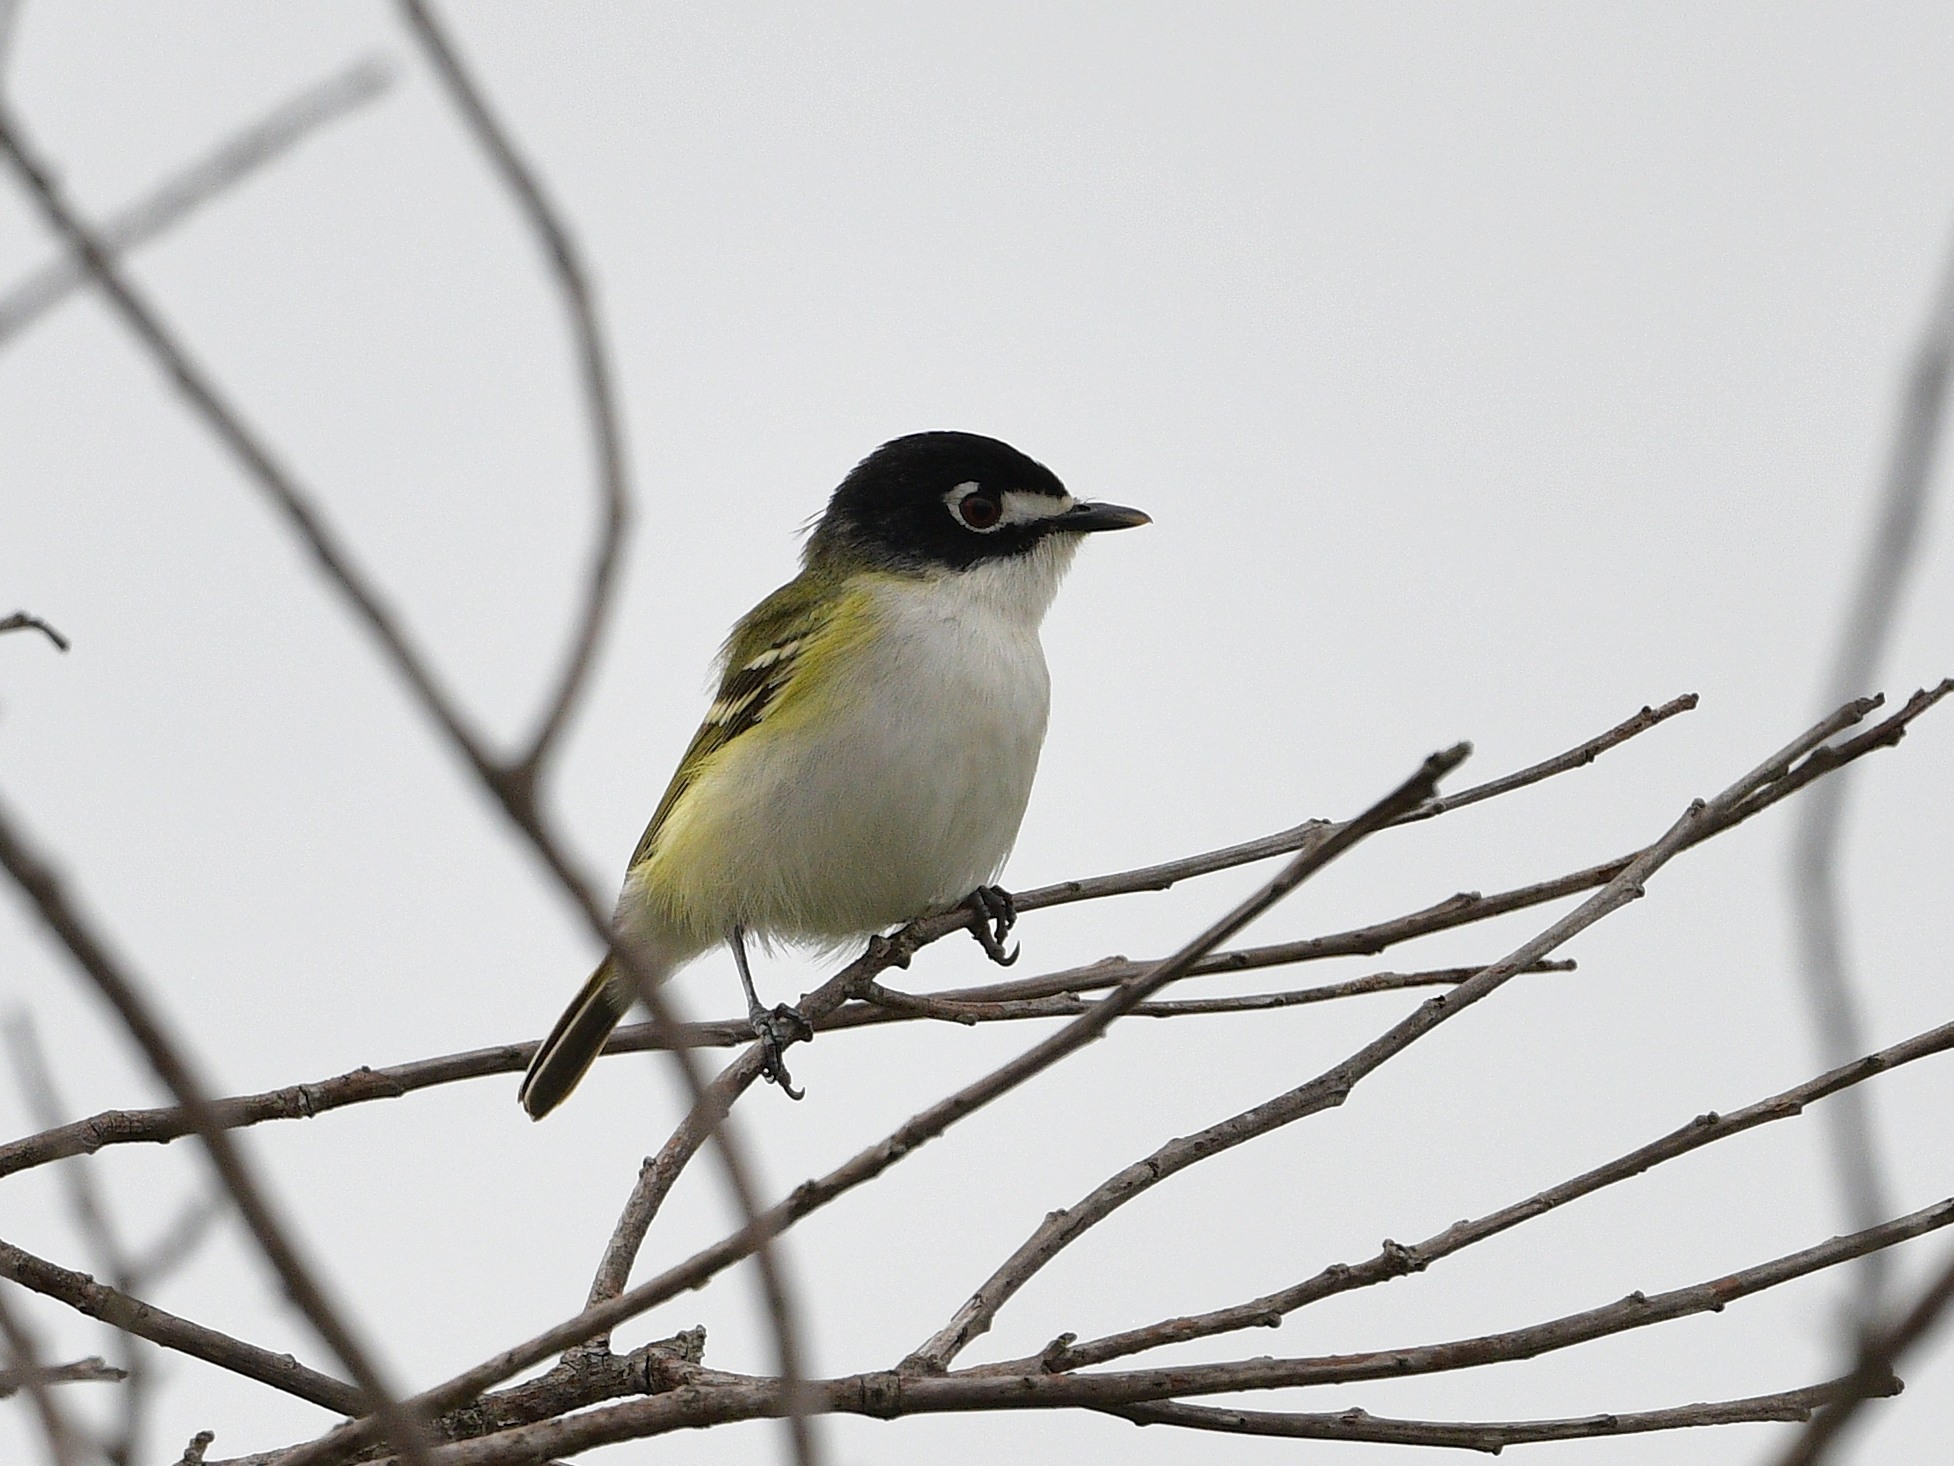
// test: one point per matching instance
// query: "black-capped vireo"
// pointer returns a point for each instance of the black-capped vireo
(871, 749)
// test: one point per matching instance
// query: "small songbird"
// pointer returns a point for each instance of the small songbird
(871, 749)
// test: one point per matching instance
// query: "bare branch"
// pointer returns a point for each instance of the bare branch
(889, 1395)
(1490, 1436)
(146, 1321)
(21, 621)
(1578, 757)
(1395, 1260)
(223, 168)
(607, 444)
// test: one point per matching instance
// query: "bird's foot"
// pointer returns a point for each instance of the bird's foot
(777, 1030)
(993, 912)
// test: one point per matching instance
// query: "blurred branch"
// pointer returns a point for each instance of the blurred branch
(1816, 905)
(95, 1224)
(600, 400)
(221, 169)
(1880, 1351)
(64, 1443)
(146, 1321)
(21, 621)
(91, 1370)
(513, 786)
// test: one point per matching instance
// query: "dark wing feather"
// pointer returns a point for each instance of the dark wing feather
(759, 661)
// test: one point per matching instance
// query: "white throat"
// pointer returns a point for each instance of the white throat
(1016, 591)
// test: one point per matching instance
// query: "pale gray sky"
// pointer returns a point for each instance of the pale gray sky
(1489, 372)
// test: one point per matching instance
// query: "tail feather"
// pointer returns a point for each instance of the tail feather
(573, 1045)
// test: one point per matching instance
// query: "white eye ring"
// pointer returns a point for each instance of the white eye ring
(974, 509)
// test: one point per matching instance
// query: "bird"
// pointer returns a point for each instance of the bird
(870, 751)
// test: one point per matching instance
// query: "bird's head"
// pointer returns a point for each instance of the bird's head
(950, 502)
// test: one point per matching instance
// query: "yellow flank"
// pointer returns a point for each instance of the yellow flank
(699, 848)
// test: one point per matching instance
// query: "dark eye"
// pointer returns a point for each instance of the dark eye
(980, 510)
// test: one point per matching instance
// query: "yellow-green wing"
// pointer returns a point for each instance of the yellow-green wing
(758, 661)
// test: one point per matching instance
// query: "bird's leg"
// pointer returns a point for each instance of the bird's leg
(993, 912)
(776, 1029)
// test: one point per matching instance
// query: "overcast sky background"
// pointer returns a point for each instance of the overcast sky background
(1489, 372)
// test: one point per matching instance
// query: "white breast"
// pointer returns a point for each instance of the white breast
(908, 794)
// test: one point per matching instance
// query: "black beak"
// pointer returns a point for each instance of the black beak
(1083, 517)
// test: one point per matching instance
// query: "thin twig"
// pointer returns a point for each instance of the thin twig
(165, 1123)
(1489, 1436)
(21, 621)
(232, 161)
(146, 1321)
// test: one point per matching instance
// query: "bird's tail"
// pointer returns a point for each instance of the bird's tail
(573, 1045)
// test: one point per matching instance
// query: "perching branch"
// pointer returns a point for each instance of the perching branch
(598, 1320)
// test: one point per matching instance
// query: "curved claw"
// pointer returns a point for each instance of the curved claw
(993, 912)
(785, 1025)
